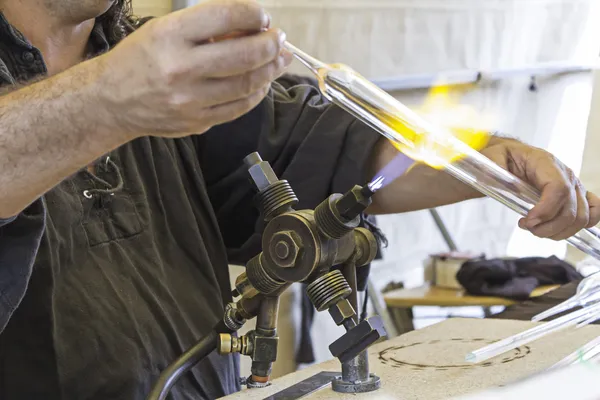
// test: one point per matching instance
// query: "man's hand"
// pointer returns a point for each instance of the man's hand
(192, 69)
(177, 75)
(565, 206)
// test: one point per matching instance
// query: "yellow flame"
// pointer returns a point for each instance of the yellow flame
(442, 109)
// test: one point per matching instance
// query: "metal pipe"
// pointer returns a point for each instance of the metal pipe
(381, 310)
(357, 369)
(461, 77)
(349, 272)
(266, 326)
(266, 321)
(443, 230)
(182, 365)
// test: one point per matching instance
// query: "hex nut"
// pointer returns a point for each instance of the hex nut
(262, 175)
(293, 246)
(352, 203)
(366, 246)
(341, 311)
(265, 349)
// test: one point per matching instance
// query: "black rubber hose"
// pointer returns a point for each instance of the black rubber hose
(183, 364)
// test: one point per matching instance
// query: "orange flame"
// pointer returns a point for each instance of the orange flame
(442, 109)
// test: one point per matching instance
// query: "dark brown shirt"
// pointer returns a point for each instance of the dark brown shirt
(132, 265)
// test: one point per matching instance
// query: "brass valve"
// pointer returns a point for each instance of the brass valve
(232, 344)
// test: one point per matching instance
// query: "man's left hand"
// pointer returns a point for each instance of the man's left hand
(565, 206)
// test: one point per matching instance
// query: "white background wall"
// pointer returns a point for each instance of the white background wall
(153, 7)
(590, 169)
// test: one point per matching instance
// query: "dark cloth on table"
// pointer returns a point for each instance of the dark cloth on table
(132, 266)
(516, 278)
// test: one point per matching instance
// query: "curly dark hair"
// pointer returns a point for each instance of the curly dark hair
(118, 21)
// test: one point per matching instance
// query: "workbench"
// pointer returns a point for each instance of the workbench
(429, 363)
(400, 301)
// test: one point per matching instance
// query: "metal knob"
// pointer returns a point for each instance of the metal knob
(274, 195)
(358, 339)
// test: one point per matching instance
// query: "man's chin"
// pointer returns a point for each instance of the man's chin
(105, 5)
(82, 10)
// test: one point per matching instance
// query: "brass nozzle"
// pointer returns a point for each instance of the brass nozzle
(231, 344)
(224, 343)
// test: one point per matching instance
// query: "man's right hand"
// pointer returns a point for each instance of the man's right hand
(177, 75)
(173, 77)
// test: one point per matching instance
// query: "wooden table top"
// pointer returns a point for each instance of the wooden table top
(429, 363)
(435, 296)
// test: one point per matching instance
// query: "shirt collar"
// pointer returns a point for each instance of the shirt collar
(98, 40)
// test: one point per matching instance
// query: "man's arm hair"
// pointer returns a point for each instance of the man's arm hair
(49, 129)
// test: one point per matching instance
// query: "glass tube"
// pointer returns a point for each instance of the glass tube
(591, 319)
(588, 292)
(587, 352)
(425, 142)
(530, 335)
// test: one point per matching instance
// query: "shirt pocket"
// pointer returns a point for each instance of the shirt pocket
(110, 217)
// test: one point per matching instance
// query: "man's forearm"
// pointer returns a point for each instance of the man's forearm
(49, 130)
(421, 187)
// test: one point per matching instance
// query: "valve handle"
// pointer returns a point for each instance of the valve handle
(357, 339)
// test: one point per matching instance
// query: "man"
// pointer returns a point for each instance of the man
(123, 196)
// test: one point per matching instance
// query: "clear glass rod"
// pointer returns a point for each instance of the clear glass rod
(584, 353)
(428, 143)
(588, 292)
(530, 335)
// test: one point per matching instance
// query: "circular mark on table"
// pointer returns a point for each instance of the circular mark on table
(408, 355)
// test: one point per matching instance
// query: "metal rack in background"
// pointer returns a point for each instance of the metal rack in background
(443, 230)
(465, 77)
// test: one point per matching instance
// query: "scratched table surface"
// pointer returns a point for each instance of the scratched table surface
(429, 363)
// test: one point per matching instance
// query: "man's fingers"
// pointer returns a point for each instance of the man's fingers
(581, 219)
(225, 90)
(564, 218)
(552, 179)
(215, 18)
(594, 205)
(554, 196)
(236, 56)
(232, 35)
(557, 208)
(235, 109)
